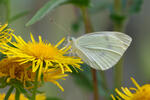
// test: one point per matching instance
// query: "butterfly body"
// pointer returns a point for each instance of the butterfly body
(101, 50)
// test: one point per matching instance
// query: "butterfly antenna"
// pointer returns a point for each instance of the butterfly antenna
(68, 37)
(62, 28)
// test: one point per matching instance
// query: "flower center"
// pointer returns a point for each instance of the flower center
(42, 51)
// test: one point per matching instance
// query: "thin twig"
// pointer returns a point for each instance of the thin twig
(88, 29)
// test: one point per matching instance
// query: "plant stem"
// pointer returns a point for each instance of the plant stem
(117, 6)
(96, 96)
(35, 86)
(7, 11)
(88, 29)
(118, 73)
(119, 27)
(8, 93)
(17, 95)
(87, 22)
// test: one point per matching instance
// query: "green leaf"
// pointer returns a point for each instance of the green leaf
(136, 6)
(17, 94)
(9, 93)
(99, 7)
(81, 3)
(19, 15)
(44, 10)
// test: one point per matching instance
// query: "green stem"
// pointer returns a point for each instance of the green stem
(7, 11)
(117, 6)
(118, 73)
(8, 93)
(119, 27)
(87, 22)
(88, 29)
(35, 86)
(17, 95)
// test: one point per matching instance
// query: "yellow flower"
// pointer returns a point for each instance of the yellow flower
(14, 70)
(54, 74)
(41, 54)
(138, 93)
(9, 67)
(12, 97)
(5, 33)
(40, 97)
(22, 97)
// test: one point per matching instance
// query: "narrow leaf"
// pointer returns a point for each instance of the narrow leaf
(44, 10)
(9, 93)
(17, 95)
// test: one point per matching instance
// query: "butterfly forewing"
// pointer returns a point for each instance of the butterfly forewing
(102, 50)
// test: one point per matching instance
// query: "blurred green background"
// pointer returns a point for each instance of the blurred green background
(66, 20)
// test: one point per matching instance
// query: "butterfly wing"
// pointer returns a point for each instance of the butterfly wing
(102, 50)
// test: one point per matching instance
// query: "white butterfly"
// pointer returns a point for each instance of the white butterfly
(101, 50)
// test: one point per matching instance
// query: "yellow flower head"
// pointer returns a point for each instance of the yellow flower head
(22, 97)
(5, 33)
(14, 70)
(138, 93)
(52, 75)
(41, 54)
(9, 67)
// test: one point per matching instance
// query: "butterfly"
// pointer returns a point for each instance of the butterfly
(101, 50)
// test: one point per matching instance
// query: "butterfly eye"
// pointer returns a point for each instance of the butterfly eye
(69, 39)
